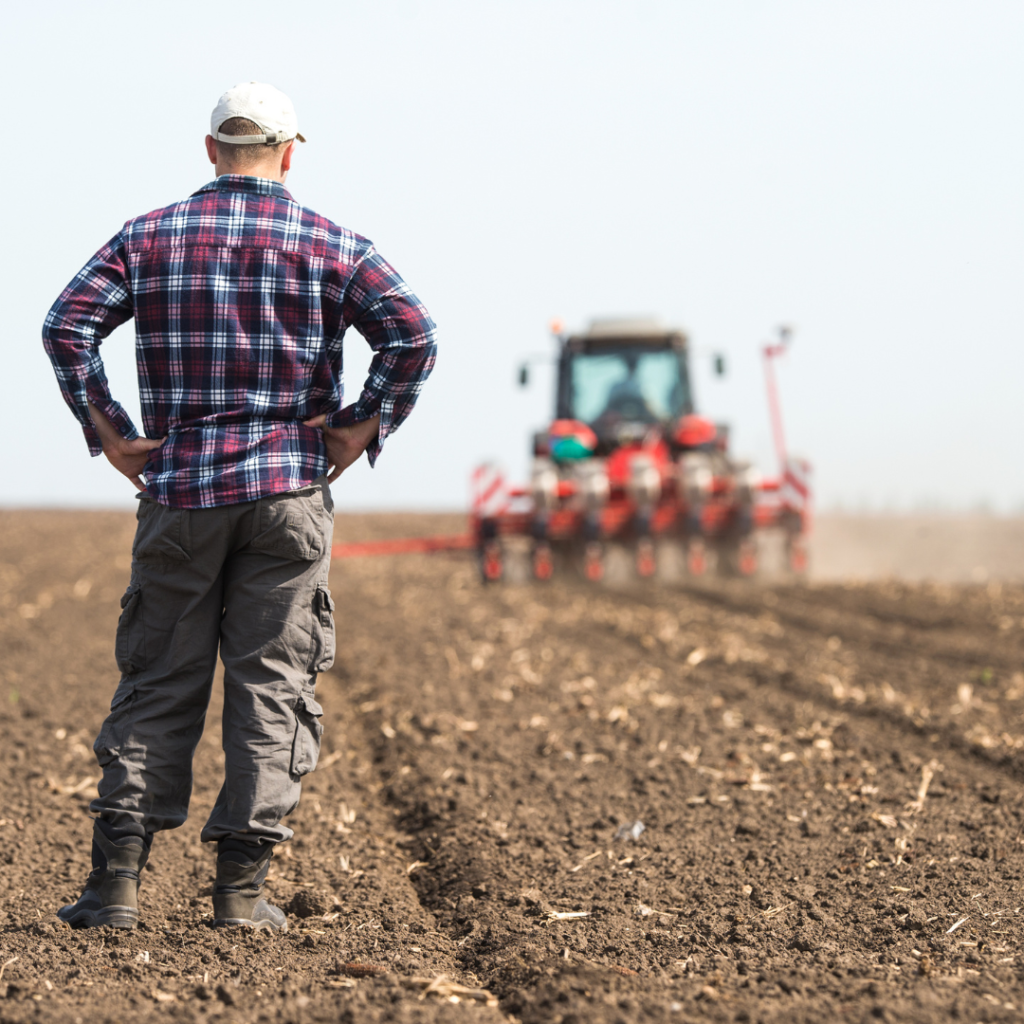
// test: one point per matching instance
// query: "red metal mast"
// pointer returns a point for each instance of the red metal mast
(772, 352)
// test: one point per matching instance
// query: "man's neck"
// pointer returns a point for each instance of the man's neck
(271, 173)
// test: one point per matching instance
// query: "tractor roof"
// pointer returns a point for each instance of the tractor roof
(617, 331)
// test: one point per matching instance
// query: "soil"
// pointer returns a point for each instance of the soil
(549, 803)
(952, 548)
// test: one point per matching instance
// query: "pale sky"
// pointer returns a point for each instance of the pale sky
(853, 169)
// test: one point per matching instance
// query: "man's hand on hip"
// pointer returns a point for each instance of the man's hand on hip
(127, 457)
(345, 444)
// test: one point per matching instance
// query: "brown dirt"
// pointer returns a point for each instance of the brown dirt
(951, 548)
(485, 747)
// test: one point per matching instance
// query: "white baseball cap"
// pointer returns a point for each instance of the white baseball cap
(261, 103)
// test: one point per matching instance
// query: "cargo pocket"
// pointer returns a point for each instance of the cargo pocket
(107, 747)
(163, 534)
(323, 630)
(308, 730)
(288, 525)
(130, 642)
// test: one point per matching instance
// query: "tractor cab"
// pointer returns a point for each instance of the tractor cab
(622, 378)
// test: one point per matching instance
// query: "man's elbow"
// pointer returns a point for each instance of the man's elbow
(426, 357)
(55, 328)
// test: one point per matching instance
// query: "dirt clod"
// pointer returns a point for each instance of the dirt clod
(358, 970)
(311, 903)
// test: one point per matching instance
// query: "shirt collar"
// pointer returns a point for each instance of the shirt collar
(246, 183)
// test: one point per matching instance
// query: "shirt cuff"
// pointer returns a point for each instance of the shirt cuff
(114, 412)
(92, 439)
(366, 409)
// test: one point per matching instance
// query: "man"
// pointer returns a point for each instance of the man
(241, 298)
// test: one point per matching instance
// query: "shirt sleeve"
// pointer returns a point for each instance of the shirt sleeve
(382, 307)
(93, 304)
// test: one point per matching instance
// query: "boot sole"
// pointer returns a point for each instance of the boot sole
(111, 917)
(241, 922)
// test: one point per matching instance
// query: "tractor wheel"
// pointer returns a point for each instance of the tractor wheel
(737, 558)
(796, 557)
(491, 561)
(593, 562)
(645, 562)
(543, 562)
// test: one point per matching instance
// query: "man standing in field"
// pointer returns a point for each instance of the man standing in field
(241, 298)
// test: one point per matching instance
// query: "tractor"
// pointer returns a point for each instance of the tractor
(628, 465)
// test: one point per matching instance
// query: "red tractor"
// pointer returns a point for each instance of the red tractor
(629, 466)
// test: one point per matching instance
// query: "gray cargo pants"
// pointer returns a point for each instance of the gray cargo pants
(251, 580)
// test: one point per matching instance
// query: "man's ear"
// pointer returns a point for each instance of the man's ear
(286, 157)
(211, 148)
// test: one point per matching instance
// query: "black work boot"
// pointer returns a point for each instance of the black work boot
(111, 895)
(238, 892)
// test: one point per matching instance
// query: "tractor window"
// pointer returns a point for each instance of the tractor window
(632, 385)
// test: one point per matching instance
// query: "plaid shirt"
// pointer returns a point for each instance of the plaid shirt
(241, 298)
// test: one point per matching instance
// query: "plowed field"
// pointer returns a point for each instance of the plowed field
(551, 803)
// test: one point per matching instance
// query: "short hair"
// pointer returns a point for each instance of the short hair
(249, 155)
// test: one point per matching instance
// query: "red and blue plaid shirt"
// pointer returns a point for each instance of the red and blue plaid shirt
(241, 298)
